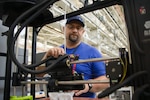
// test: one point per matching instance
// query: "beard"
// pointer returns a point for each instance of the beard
(73, 38)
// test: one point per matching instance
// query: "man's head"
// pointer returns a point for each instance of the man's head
(74, 29)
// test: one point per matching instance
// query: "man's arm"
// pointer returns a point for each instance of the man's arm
(100, 86)
(40, 68)
(95, 87)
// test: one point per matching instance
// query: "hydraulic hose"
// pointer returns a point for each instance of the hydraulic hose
(11, 40)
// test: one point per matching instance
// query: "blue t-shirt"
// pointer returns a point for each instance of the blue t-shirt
(90, 70)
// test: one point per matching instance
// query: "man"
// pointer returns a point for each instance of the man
(74, 30)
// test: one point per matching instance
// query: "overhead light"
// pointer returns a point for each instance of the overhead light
(111, 35)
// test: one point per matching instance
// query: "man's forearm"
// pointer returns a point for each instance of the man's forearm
(99, 86)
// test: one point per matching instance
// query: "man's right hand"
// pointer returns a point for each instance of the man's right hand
(55, 52)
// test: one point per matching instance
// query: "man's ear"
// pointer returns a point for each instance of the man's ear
(83, 31)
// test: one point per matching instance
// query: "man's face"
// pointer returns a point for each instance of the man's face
(74, 31)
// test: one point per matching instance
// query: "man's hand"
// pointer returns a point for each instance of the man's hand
(79, 92)
(55, 52)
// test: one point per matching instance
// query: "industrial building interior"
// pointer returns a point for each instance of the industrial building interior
(106, 29)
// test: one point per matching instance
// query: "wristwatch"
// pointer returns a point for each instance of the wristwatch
(90, 86)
